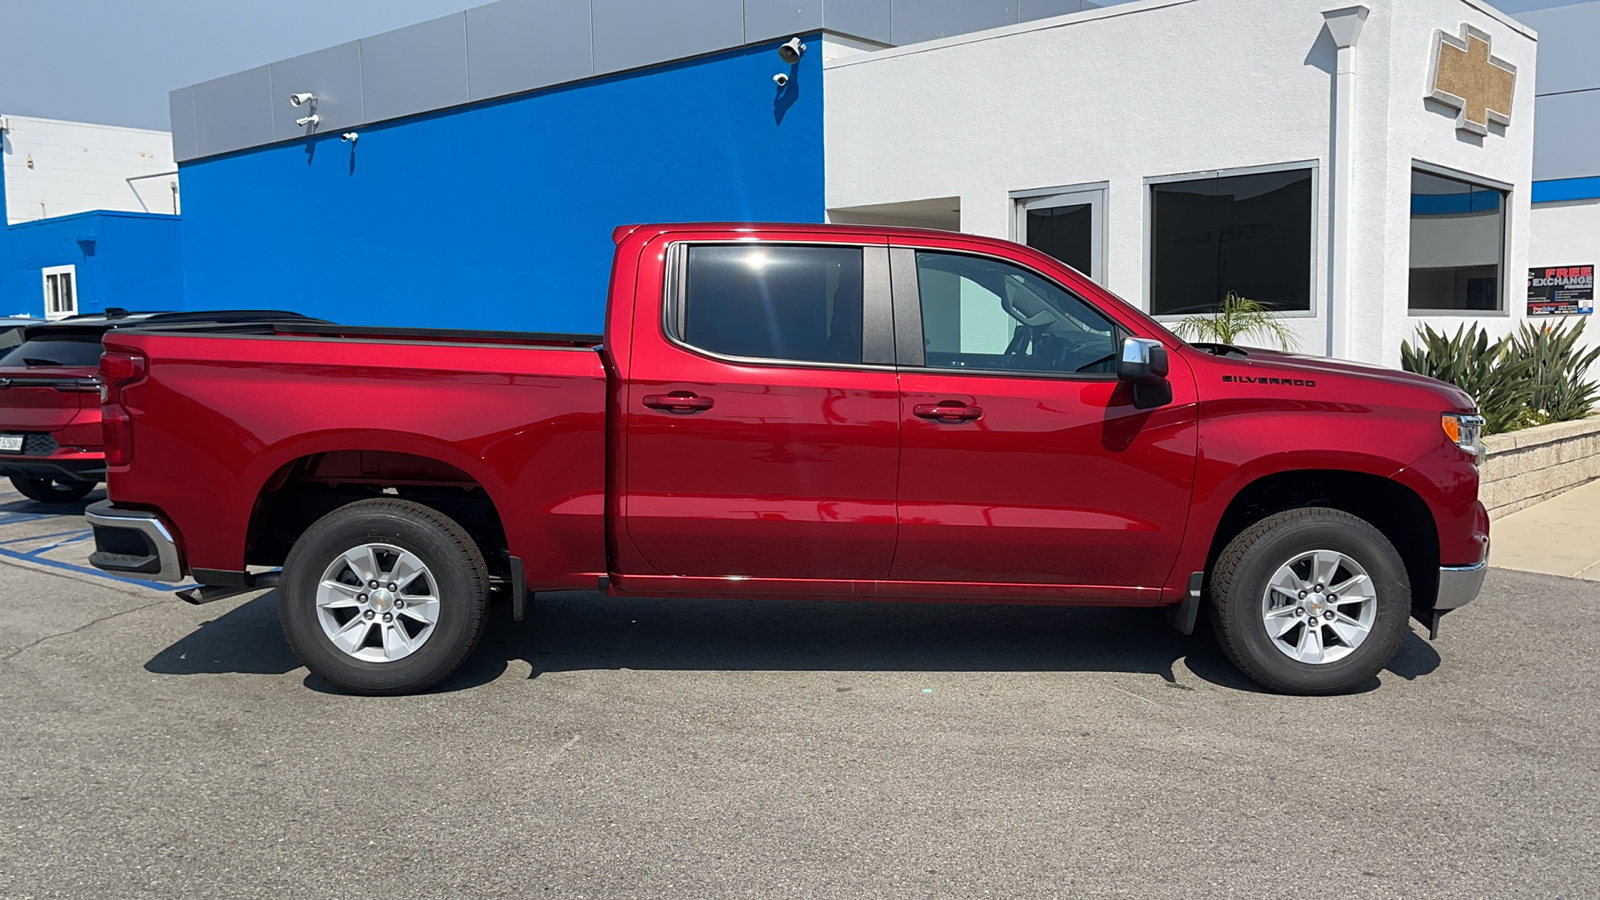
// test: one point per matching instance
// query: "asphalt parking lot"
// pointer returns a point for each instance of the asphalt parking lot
(654, 749)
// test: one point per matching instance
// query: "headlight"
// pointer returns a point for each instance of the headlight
(1465, 432)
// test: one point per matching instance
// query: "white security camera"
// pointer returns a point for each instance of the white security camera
(780, 79)
(791, 51)
(312, 119)
(298, 99)
(349, 137)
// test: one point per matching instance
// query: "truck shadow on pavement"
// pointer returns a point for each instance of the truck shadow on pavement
(585, 631)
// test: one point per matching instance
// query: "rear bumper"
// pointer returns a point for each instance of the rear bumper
(133, 543)
(76, 468)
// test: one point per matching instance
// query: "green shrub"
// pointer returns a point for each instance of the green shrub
(1237, 317)
(1560, 392)
(1499, 380)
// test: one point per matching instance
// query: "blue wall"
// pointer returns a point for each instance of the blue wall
(500, 215)
(131, 260)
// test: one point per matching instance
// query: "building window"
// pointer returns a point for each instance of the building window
(802, 304)
(1243, 234)
(984, 314)
(1458, 241)
(60, 292)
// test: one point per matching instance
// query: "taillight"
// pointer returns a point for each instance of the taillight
(118, 371)
(121, 369)
(116, 428)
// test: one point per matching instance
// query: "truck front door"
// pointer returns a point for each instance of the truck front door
(762, 412)
(1024, 460)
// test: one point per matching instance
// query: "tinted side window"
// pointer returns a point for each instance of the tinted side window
(980, 313)
(77, 352)
(775, 302)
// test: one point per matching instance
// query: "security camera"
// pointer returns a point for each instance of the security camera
(349, 137)
(780, 79)
(312, 119)
(298, 99)
(791, 51)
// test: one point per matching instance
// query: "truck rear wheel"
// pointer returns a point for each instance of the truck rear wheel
(1310, 601)
(50, 490)
(384, 597)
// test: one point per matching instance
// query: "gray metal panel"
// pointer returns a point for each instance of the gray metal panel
(184, 146)
(233, 112)
(519, 45)
(629, 34)
(766, 19)
(334, 75)
(925, 20)
(870, 19)
(1567, 39)
(415, 69)
(1044, 9)
(1566, 132)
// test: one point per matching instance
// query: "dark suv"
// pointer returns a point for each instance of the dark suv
(50, 443)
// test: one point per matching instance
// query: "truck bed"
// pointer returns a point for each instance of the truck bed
(509, 424)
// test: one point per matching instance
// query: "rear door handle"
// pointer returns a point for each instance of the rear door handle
(948, 411)
(679, 402)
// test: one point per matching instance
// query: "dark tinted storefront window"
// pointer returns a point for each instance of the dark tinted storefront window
(775, 302)
(1065, 232)
(1243, 234)
(1457, 243)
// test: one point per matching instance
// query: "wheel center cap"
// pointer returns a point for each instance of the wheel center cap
(381, 600)
(1316, 605)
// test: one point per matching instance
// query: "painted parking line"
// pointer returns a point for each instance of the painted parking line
(7, 553)
(71, 534)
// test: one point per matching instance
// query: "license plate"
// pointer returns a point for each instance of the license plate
(10, 443)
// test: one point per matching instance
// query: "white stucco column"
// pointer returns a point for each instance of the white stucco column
(1344, 26)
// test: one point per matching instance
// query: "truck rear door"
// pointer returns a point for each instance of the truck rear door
(762, 409)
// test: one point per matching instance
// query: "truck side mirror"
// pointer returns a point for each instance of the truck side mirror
(1144, 365)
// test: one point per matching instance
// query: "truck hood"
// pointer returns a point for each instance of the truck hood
(1457, 399)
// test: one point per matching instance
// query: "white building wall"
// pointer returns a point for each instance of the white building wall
(1165, 87)
(1566, 234)
(1423, 131)
(54, 168)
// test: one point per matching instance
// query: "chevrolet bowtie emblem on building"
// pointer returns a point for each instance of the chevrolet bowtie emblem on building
(1468, 79)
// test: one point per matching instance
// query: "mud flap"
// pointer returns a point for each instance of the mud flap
(1182, 616)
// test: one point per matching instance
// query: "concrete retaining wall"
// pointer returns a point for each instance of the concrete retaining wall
(1527, 467)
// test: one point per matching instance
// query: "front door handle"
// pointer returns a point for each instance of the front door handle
(948, 411)
(679, 402)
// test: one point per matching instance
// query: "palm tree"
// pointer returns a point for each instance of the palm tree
(1238, 317)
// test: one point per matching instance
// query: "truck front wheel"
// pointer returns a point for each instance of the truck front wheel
(1310, 601)
(384, 597)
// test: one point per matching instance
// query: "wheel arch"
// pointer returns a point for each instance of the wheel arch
(1396, 510)
(303, 488)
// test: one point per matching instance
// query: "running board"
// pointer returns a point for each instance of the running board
(211, 593)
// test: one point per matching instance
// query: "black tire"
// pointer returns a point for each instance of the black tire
(1241, 578)
(454, 562)
(50, 490)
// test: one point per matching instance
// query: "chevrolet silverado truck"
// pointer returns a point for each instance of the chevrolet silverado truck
(788, 411)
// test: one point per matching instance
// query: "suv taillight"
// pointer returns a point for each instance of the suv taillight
(118, 371)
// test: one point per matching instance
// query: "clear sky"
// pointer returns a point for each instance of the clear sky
(113, 61)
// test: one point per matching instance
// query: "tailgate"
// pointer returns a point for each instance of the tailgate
(44, 402)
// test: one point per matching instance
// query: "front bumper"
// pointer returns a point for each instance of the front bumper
(1459, 585)
(133, 543)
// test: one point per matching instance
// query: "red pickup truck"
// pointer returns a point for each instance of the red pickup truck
(786, 411)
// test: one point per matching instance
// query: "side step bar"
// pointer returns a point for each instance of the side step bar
(211, 593)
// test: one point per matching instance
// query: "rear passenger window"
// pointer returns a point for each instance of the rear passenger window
(774, 302)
